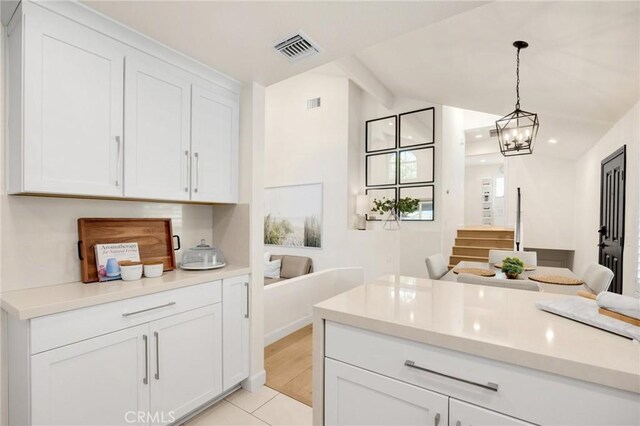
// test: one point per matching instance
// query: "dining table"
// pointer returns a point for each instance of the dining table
(539, 270)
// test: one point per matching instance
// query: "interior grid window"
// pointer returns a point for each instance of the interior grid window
(400, 160)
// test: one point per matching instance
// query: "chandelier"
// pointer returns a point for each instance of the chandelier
(517, 131)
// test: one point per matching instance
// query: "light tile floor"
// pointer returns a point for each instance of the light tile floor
(262, 407)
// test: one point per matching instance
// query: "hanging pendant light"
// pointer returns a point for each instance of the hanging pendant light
(517, 131)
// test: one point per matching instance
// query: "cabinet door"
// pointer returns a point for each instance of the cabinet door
(235, 332)
(354, 396)
(73, 108)
(214, 144)
(463, 414)
(157, 125)
(102, 380)
(186, 361)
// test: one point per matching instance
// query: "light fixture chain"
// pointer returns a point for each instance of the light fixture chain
(518, 79)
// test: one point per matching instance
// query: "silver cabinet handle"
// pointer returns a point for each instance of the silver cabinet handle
(197, 171)
(490, 385)
(118, 161)
(186, 186)
(128, 314)
(246, 286)
(157, 336)
(146, 359)
(437, 419)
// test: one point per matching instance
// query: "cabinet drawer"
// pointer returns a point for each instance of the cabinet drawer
(56, 330)
(524, 393)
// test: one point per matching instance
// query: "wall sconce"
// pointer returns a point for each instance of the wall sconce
(362, 208)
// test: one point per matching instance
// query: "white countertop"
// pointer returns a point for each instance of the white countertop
(492, 322)
(36, 302)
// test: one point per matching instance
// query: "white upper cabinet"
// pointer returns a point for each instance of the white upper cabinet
(72, 91)
(106, 112)
(156, 124)
(214, 145)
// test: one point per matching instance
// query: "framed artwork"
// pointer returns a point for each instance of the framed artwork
(381, 169)
(426, 208)
(293, 216)
(379, 193)
(381, 134)
(417, 128)
(416, 166)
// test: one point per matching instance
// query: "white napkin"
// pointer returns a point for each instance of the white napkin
(625, 305)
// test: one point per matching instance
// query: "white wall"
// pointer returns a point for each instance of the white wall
(327, 145)
(252, 146)
(311, 146)
(587, 199)
(453, 202)
(474, 174)
(39, 234)
(548, 199)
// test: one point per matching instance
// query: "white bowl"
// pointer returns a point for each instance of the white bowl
(153, 271)
(131, 272)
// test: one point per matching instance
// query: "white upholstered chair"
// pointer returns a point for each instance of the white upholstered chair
(530, 258)
(436, 266)
(499, 282)
(598, 278)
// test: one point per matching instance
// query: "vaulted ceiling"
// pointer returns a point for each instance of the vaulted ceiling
(580, 73)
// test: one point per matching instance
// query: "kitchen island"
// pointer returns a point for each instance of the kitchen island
(403, 350)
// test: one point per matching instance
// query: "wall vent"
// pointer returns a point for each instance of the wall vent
(296, 46)
(313, 103)
(493, 133)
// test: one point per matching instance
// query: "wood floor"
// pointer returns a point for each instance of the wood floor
(288, 365)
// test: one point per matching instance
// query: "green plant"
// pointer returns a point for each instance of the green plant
(512, 266)
(403, 205)
(312, 231)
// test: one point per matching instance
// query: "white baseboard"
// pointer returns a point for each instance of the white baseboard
(286, 330)
(255, 382)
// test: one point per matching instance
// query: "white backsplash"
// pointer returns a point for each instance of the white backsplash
(40, 234)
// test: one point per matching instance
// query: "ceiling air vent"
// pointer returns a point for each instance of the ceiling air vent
(296, 47)
(493, 133)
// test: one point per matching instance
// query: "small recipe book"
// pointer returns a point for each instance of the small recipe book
(108, 256)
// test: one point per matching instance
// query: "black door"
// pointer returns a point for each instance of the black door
(612, 191)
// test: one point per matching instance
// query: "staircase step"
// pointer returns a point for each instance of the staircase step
(455, 259)
(486, 233)
(471, 251)
(497, 243)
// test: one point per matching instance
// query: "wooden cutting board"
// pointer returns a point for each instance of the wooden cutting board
(154, 238)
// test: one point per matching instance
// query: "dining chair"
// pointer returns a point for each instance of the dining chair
(598, 278)
(499, 282)
(436, 266)
(530, 258)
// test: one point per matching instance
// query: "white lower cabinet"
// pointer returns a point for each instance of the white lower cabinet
(235, 340)
(373, 378)
(354, 396)
(186, 362)
(148, 360)
(463, 414)
(98, 381)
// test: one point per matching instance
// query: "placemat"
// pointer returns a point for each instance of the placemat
(475, 271)
(526, 267)
(556, 279)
